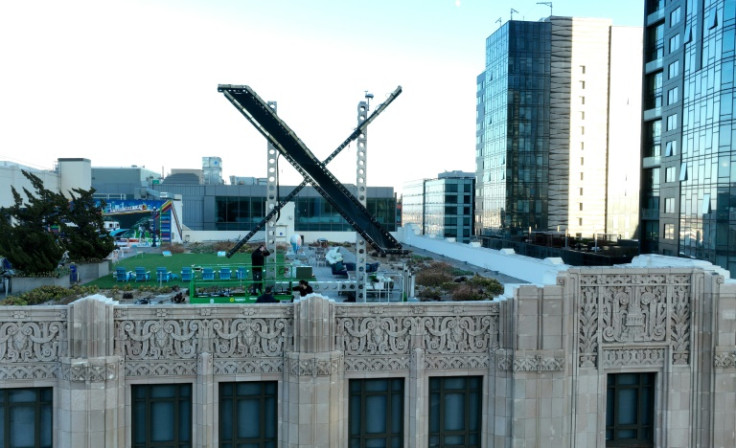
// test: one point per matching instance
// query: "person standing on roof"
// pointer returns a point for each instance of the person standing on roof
(304, 288)
(257, 259)
(267, 297)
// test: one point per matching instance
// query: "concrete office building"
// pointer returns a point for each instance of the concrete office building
(69, 174)
(441, 207)
(557, 128)
(688, 167)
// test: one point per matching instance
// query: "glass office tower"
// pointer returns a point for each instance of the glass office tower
(689, 163)
(558, 120)
(513, 129)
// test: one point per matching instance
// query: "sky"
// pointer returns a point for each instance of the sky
(134, 82)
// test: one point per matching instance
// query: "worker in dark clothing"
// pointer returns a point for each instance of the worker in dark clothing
(257, 259)
(304, 288)
(267, 297)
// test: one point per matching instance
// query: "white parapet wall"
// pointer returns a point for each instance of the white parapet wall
(504, 261)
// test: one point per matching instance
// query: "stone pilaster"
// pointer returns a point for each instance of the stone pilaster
(314, 391)
(203, 406)
(91, 407)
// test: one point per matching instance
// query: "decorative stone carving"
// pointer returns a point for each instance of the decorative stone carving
(161, 368)
(634, 309)
(725, 360)
(628, 357)
(89, 371)
(528, 361)
(185, 339)
(244, 366)
(459, 334)
(376, 363)
(588, 335)
(29, 371)
(680, 324)
(457, 362)
(314, 366)
(240, 338)
(35, 341)
(375, 335)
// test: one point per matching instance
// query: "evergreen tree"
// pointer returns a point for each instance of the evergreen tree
(35, 233)
(26, 236)
(85, 236)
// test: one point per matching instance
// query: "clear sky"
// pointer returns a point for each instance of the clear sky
(134, 82)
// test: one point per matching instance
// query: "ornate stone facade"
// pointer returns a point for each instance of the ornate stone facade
(544, 355)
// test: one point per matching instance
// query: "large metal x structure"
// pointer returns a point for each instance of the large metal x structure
(265, 120)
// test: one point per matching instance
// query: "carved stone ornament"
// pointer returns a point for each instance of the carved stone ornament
(633, 310)
(29, 371)
(161, 368)
(528, 361)
(725, 360)
(376, 363)
(34, 341)
(314, 367)
(627, 357)
(94, 371)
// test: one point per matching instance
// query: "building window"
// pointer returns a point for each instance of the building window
(582, 84)
(161, 415)
(26, 417)
(630, 410)
(674, 69)
(683, 172)
(669, 231)
(670, 149)
(582, 100)
(376, 415)
(580, 206)
(580, 221)
(669, 174)
(582, 161)
(455, 411)
(582, 69)
(673, 95)
(581, 191)
(672, 122)
(669, 205)
(674, 43)
(249, 414)
(675, 16)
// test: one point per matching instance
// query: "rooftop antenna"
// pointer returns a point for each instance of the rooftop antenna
(368, 98)
(547, 4)
(512, 13)
(498, 21)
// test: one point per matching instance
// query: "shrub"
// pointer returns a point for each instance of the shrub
(175, 248)
(490, 286)
(465, 291)
(430, 293)
(435, 275)
(49, 293)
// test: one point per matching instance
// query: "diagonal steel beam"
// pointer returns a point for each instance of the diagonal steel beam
(303, 160)
(354, 135)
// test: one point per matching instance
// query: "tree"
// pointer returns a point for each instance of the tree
(26, 237)
(85, 236)
(35, 233)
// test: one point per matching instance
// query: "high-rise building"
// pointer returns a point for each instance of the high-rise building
(441, 207)
(688, 167)
(558, 120)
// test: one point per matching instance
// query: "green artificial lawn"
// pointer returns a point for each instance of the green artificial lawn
(174, 263)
